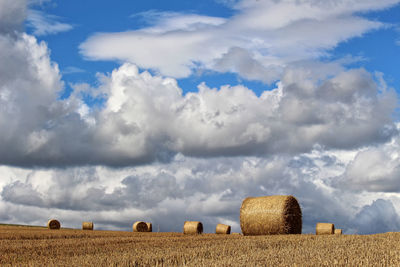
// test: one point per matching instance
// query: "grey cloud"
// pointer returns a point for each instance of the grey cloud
(379, 217)
(12, 15)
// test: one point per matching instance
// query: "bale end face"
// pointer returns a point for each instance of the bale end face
(270, 215)
(87, 226)
(53, 224)
(223, 229)
(149, 227)
(140, 227)
(192, 227)
(338, 232)
(325, 229)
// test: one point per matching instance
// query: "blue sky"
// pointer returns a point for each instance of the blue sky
(377, 49)
(167, 111)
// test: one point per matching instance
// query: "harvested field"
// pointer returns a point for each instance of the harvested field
(28, 246)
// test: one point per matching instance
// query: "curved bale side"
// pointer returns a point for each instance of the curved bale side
(53, 224)
(338, 232)
(87, 226)
(192, 227)
(325, 229)
(223, 229)
(140, 227)
(149, 227)
(270, 215)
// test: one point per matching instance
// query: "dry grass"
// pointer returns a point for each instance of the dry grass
(87, 226)
(140, 227)
(192, 227)
(270, 215)
(21, 246)
(53, 224)
(223, 229)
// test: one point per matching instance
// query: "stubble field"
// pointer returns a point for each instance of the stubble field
(34, 246)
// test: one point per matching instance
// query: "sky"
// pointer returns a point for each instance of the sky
(167, 111)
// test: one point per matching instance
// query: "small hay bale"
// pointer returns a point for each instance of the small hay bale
(192, 227)
(338, 232)
(223, 229)
(140, 227)
(149, 227)
(87, 226)
(270, 215)
(53, 224)
(325, 229)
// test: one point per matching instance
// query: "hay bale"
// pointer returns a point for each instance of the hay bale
(87, 226)
(149, 227)
(325, 229)
(140, 227)
(53, 224)
(192, 227)
(270, 215)
(338, 231)
(223, 229)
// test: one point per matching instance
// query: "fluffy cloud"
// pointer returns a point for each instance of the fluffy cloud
(191, 189)
(265, 36)
(12, 14)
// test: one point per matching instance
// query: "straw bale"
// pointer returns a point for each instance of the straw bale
(140, 227)
(149, 227)
(270, 215)
(87, 226)
(325, 229)
(192, 227)
(223, 229)
(53, 224)
(338, 231)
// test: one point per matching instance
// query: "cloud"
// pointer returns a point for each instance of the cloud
(72, 70)
(379, 217)
(44, 24)
(269, 35)
(191, 189)
(12, 14)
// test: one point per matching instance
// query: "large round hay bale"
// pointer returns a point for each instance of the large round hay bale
(338, 231)
(149, 227)
(192, 227)
(270, 215)
(140, 227)
(325, 229)
(223, 229)
(53, 224)
(87, 226)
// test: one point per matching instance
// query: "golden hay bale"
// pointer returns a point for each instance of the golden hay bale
(223, 229)
(149, 227)
(270, 215)
(53, 224)
(140, 227)
(338, 231)
(191, 227)
(325, 229)
(87, 226)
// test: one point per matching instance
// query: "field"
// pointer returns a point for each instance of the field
(35, 246)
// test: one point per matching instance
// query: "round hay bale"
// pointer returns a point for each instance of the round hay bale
(338, 231)
(53, 224)
(140, 227)
(325, 229)
(87, 226)
(270, 215)
(223, 229)
(191, 227)
(149, 227)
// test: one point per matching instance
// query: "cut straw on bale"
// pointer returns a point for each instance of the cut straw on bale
(223, 229)
(338, 231)
(53, 224)
(140, 227)
(87, 226)
(270, 215)
(325, 229)
(149, 227)
(192, 227)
